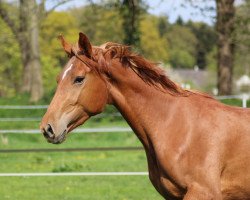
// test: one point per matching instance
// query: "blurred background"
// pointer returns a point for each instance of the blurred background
(202, 45)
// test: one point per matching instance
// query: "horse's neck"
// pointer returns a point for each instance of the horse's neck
(143, 106)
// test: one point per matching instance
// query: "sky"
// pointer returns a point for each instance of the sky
(170, 8)
(175, 8)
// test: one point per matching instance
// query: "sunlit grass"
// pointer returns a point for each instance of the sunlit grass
(57, 188)
(78, 188)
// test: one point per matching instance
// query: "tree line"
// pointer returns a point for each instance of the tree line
(31, 55)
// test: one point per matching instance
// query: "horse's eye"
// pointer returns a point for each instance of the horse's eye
(79, 80)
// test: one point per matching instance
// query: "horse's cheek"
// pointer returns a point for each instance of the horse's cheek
(94, 106)
(94, 100)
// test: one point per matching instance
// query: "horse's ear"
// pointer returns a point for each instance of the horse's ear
(66, 46)
(84, 45)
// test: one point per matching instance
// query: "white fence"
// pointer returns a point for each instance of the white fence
(78, 130)
(243, 97)
(75, 174)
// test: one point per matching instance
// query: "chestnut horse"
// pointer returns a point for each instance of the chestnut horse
(197, 148)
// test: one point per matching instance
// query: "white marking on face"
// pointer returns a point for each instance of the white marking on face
(66, 71)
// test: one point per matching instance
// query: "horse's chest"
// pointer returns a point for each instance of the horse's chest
(162, 178)
(164, 184)
(167, 188)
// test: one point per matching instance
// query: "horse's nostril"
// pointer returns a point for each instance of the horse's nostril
(49, 128)
(48, 132)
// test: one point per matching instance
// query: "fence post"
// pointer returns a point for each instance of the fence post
(245, 97)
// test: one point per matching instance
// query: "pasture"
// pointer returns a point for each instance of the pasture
(80, 187)
(73, 187)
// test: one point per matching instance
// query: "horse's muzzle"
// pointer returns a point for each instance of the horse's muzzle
(50, 135)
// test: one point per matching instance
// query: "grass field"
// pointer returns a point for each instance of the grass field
(80, 187)
(129, 187)
(55, 188)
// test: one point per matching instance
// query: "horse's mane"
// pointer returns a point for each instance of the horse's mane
(148, 71)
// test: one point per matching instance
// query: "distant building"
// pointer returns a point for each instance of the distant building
(195, 78)
(243, 84)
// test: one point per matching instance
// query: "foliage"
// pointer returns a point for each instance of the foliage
(153, 46)
(242, 39)
(180, 58)
(53, 57)
(211, 60)
(10, 65)
(55, 24)
(131, 11)
(50, 70)
(107, 26)
(163, 25)
(206, 40)
(102, 27)
(182, 43)
(25, 27)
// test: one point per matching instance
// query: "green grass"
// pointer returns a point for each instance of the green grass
(53, 188)
(77, 188)
(234, 102)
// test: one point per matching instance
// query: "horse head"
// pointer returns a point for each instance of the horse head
(80, 94)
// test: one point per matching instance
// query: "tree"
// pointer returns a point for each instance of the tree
(52, 56)
(154, 46)
(225, 19)
(163, 25)
(179, 21)
(26, 31)
(242, 39)
(106, 26)
(225, 27)
(206, 40)
(10, 67)
(182, 46)
(130, 11)
(54, 24)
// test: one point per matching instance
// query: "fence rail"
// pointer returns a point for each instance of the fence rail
(78, 130)
(21, 107)
(36, 119)
(71, 149)
(17, 107)
(243, 97)
(74, 174)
